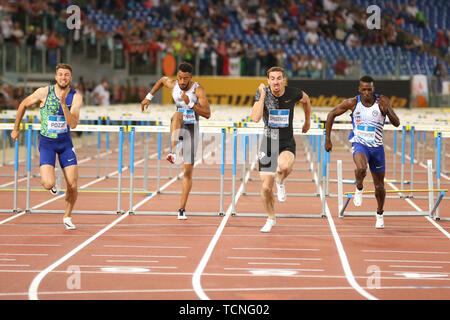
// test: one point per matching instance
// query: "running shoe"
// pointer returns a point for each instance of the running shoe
(281, 192)
(68, 224)
(54, 191)
(358, 197)
(182, 214)
(380, 221)
(269, 224)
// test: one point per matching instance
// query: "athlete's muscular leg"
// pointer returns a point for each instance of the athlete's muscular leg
(380, 191)
(361, 169)
(187, 184)
(285, 165)
(71, 176)
(175, 125)
(47, 176)
(267, 181)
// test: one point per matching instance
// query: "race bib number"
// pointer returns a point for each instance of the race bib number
(188, 116)
(56, 124)
(279, 118)
(366, 133)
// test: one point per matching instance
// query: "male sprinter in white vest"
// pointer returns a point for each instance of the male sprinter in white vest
(191, 102)
(368, 113)
(60, 110)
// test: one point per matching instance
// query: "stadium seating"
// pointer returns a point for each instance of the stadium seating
(374, 60)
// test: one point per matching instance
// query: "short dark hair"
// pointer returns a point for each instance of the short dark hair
(276, 69)
(63, 66)
(185, 67)
(366, 79)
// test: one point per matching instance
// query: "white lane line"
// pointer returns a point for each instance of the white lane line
(154, 247)
(134, 256)
(424, 267)
(275, 263)
(14, 265)
(109, 266)
(426, 217)
(282, 249)
(196, 278)
(33, 289)
(274, 258)
(24, 254)
(271, 269)
(133, 261)
(343, 257)
(407, 252)
(409, 261)
(134, 291)
(29, 245)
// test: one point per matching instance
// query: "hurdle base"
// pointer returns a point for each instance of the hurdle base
(280, 215)
(75, 211)
(386, 213)
(188, 214)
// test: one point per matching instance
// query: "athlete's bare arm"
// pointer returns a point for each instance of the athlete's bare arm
(163, 82)
(306, 102)
(258, 106)
(348, 104)
(387, 109)
(73, 115)
(202, 107)
(38, 96)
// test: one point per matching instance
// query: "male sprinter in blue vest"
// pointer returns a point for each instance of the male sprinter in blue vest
(368, 113)
(60, 110)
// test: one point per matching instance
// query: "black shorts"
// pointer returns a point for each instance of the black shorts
(269, 151)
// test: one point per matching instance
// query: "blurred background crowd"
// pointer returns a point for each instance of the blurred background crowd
(313, 39)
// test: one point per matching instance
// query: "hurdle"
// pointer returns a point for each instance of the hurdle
(322, 161)
(84, 128)
(222, 132)
(432, 206)
(439, 136)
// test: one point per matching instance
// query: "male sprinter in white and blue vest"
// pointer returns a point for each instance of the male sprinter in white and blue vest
(369, 111)
(191, 102)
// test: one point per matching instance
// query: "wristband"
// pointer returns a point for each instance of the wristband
(149, 96)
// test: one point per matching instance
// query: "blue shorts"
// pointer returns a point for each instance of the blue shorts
(48, 148)
(374, 155)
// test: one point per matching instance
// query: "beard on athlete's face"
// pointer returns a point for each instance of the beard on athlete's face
(184, 86)
(63, 81)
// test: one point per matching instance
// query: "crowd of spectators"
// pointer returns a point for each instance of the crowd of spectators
(198, 28)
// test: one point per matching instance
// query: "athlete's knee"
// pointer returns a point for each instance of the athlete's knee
(283, 168)
(72, 186)
(361, 171)
(266, 189)
(47, 183)
(188, 170)
(379, 188)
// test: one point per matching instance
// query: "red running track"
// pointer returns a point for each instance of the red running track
(158, 257)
